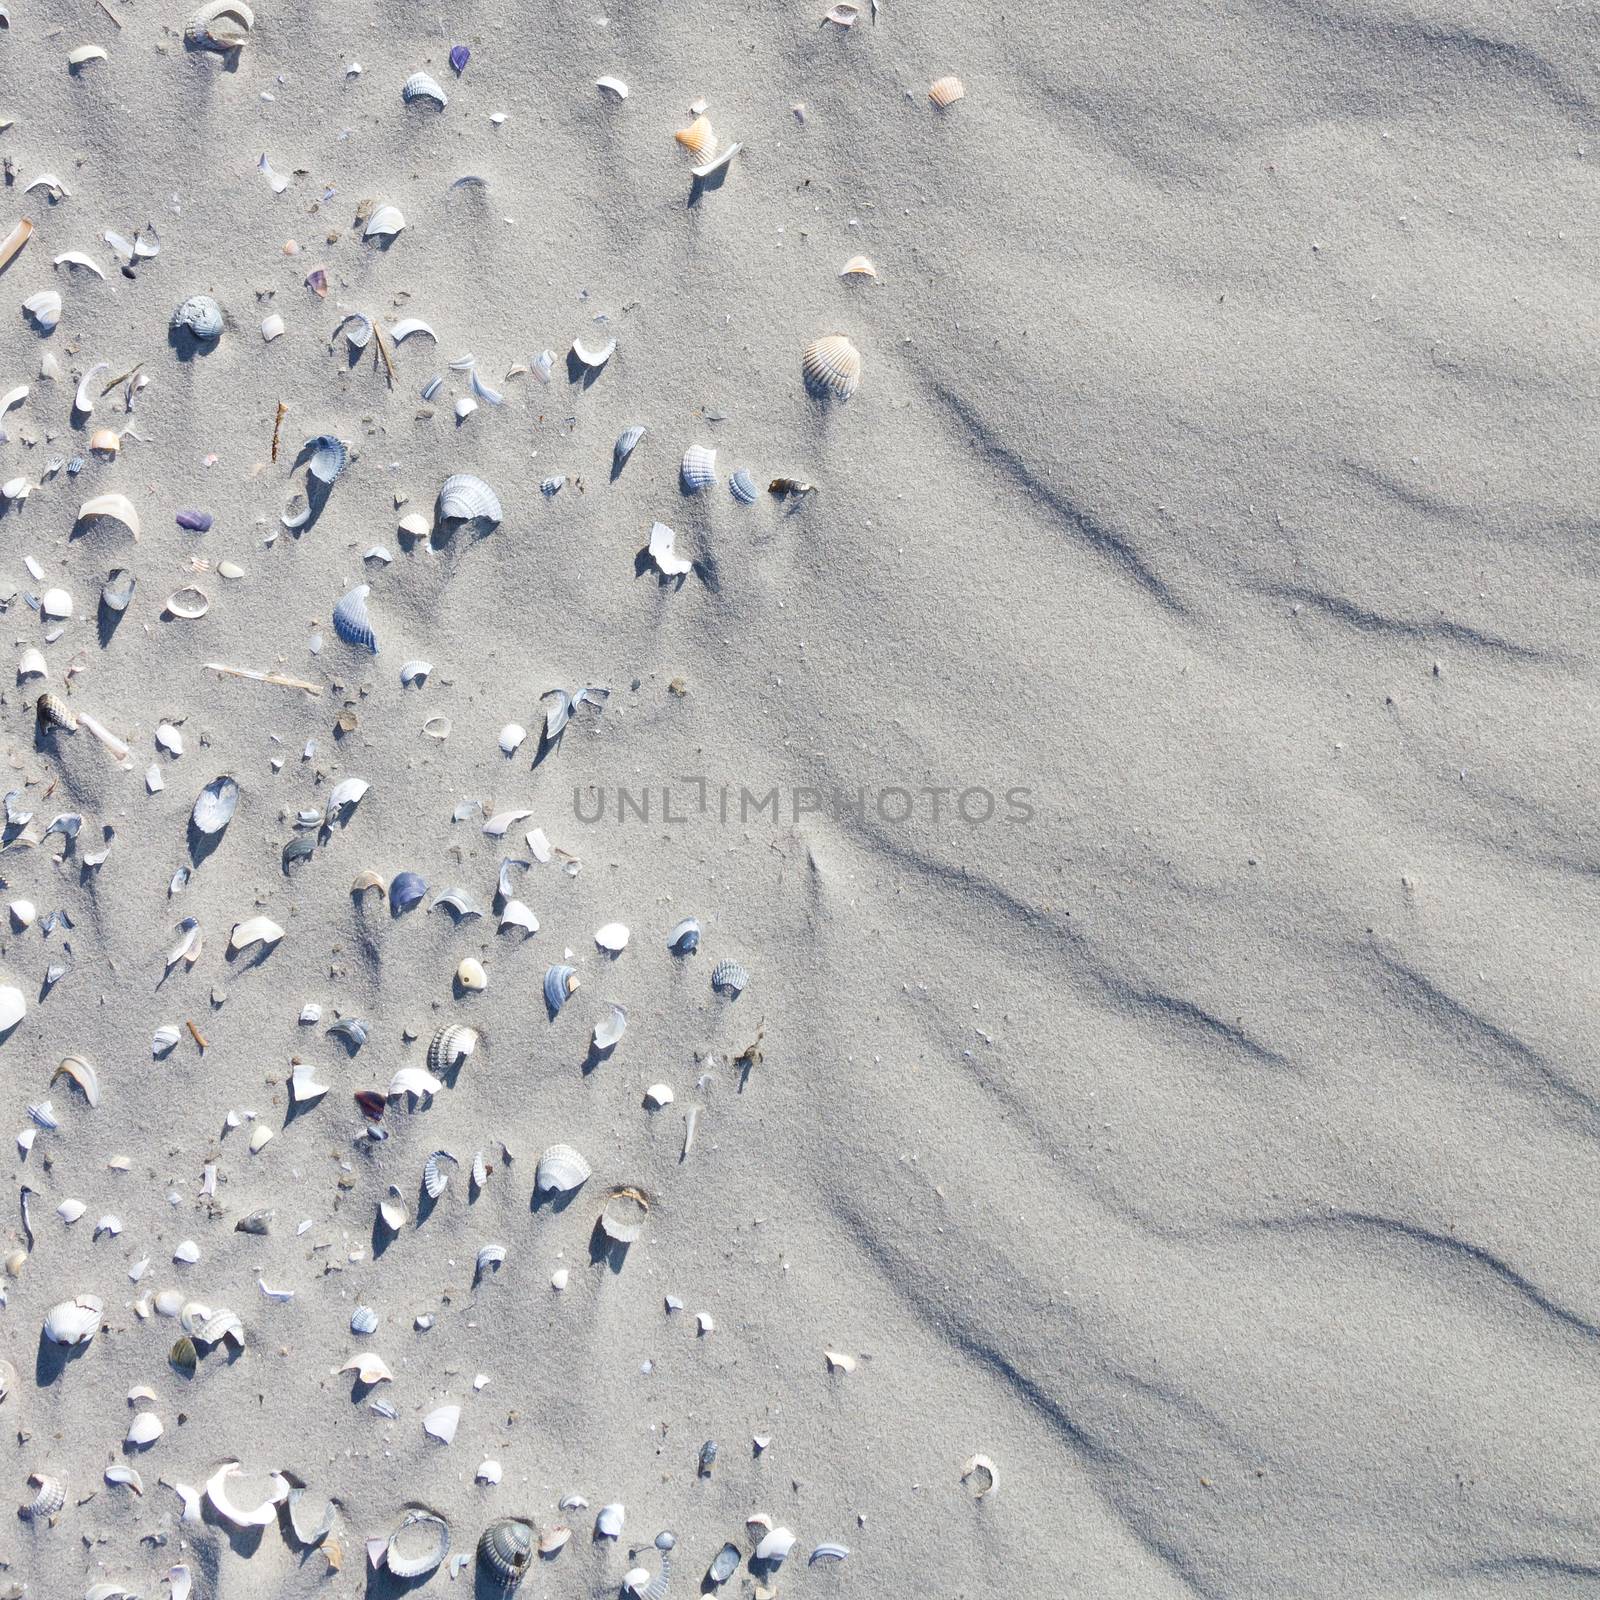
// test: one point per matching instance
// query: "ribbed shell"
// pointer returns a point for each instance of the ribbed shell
(698, 138)
(201, 315)
(946, 91)
(728, 977)
(743, 487)
(699, 468)
(624, 1215)
(452, 1043)
(627, 443)
(426, 1550)
(350, 619)
(831, 366)
(328, 457)
(49, 1498)
(505, 1549)
(54, 713)
(464, 498)
(436, 1173)
(363, 1320)
(560, 1169)
(559, 982)
(419, 86)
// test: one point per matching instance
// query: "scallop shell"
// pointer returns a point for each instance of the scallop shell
(559, 983)
(118, 507)
(329, 456)
(623, 1218)
(627, 443)
(698, 138)
(215, 804)
(436, 1173)
(743, 488)
(684, 939)
(728, 977)
(452, 1044)
(419, 86)
(418, 1545)
(464, 498)
(505, 1549)
(384, 223)
(698, 469)
(560, 1170)
(946, 91)
(72, 1322)
(189, 603)
(201, 316)
(49, 1497)
(831, 366)
(350, 619)
(116, 593)
(220, 25)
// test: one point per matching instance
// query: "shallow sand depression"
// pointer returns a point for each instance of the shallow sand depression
(1118, 1122)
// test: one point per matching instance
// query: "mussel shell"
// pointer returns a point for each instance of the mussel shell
(215, 804)
(183, 1357)
(406, 890)
(724, 1563)
(684, 939)
(506, 1548)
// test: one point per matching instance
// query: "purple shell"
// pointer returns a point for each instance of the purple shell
(195, 521)
(459, 57)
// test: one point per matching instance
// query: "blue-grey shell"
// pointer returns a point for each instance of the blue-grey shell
(743, 487)
(506, 1549)
(627, 443)
(407, 890)
(558, 986)
(350, 620)
(724, 1563)
(419, 86)
(699, 468)
(684, 939)
(328, 457)
(201, 315)
(464, 498)
(708, 1456)
(728, 977)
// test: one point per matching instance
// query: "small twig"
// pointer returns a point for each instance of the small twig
(388, 365)
(277, 424)
(199, 1038)
(109, 12)
(277, 678)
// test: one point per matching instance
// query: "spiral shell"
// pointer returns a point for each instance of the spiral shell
(464, 498)
(831, 366)
(506, 1549)
(201, 316)
(453, 1043)
(49, 1497)
(560, 1169)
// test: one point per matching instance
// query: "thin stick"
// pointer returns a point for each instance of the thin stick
(262, 677)
(377, 334)
(277, 423)
(109, 12)
(199, 1038)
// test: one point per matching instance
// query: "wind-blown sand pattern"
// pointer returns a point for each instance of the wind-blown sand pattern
(1197, 1138)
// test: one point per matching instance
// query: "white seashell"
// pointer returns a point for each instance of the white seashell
(511, 737)
(31, 664)
(828, 1552)
(83, 400)
(70, 1210)
(254, 930)
(591, 357)
(636, 1581)
(838, 1361)
(56, 603)
(465, 406)
(350, 619)
(220, 25)
(608, 1522)
(858, 267)
(663, 542)
(772, 1549)
(189, 603)
(394, 1211)
(419, 86)
(464, 498)
(416, 1081)
(488, 1472)
(415, 672)
(75, 259)
(17, 489)
(164, 1040)
(384, 223)
(515, 914)
(84, 54)
(612, 86)
(303, 1085)
(436, 1173)
(260, 1138)
(496, 826)
(489, 1257)
(831, 367)
(658, 1095)
(609, 1030)
(262, 1515)
(613, 937)
(145, 1429)
(73, 1322)
(402, 331)
(699, 471)
(169, 1302)
(271, 327)
(44, 308)
(560, 1170)
(123, 1477)
(704, 1323)
(558, 1279)
(180, 1578)
(187, 1253)
(118, 507)
(369, 1367)
(278, 1296)
(13, 1008)
(471, 976)
(946, 91)
(441, 1424)
(717, 163)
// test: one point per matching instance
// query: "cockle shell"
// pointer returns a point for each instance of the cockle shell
(728, 977)
(436, 1172)
(369, 1367)
(831, 366)
(71, 1322)
(453, 1043)
(350, 619)
(464, 498)
(328, 457)
(220, 25)
(623, 1217)
(417, 1081)
(698, 138)
(144, 1429)
(743, 488)
(560, 1169)
(627, 443)
(698, 469)
(608, 1521)
(215, 804)
(419, 86)
(559, 983)
(418, 1545)
(505, 1549)
(201, 316)
(946, 91)
(50, 1495)
(116, 593)
(554, 1539)
(117, 507)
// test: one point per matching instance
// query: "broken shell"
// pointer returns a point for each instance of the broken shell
(44, 308)
(369, 1367)
(418, 1545)
(594, 358)
(609, 1030)
(201, 316)
(489, 1257)
(718, 162)
(980, 1477)
(220, 25)
(559, 984)
(698, 138)
(729, 978)
(623, 1218)
(560, 1169)
(506, 1548)
(663, 547)
(743, 488)
(260, 1137)
(73, 1322)
(488, 1471)
(441, 1423)
(184, 1357)
(81, 1071)
(419, 86)
(613, 937)
(144, 1430)
(125, 1478)
(658, 1095)
(684, 939)
(608, 1522)
(49, 1497)
(511, 737)
(406, 890)
(14, 241)
(831, 366)
(117, 591)
(350, 619)
(612, 86)
(416, 1081)
(271, 327)
(452, 1044)
(384, 223)
(118, 507)
(698, 468)
(554, 1540)
(827, 1552)
(627, 443)
(772, 1549)
(189, 603)
(84, 54)
(464, 498)
(946, 91)
(214, 806)
(436, 1172)
(858, 267)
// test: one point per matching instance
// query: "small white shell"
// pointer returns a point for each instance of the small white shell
(419, 86)
(436, 1173)
(118, 507)
(560, 1170)
(658, 1095)
(441, 1424)
(698, 469)
(663, 551)
(511, 737)
(612, 86)
(189, 603)
(44, 308)
(384, 223)
(471, 976)
(49, 1497)
(608, 1522)
(981, 1476)
(591, 357)
(271, 327)
(608, 1031)
(369, 1367)
(613, 937)
(718, 162)
(253, 930)
(145, 1429)
(772, 1549)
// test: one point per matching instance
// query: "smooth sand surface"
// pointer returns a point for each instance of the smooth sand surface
(1211, 1150)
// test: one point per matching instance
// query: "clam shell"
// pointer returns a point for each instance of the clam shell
(831, 367)
(189, 603)
(201, 316)
(464, 498)
(490, 1256)
(118, 507)
(144, 1429)
(559, 983)
(627, 443)
(81, 1071)
(369, 1368)
(453, 1043)
(505, 1550)
(219, 25)
(743, 487)
(698, 469)
(329, 457)
(828, 1551)
(772, 1549)
(44, 308)
(183, 1357)
(858, 267)
(609, 1030)
(117, 591)
(215, 804)
(560, 1169)
(72, 1322)
(350, 619)
(623, 1217)
(419, 86)
(608, 1521)
(946, 91)
(441, 1423)
(684, 939)
(384, 223)
(729, 978)
(698, 138)
(50, 1495)
(554, 1540)
(418, 1545)
(406, 890)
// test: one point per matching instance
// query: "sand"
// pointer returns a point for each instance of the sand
(1199, 1136)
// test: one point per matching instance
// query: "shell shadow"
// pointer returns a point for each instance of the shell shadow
(51, 1360)
(202, 845)
(580, 373)
(186, 347)
(107, 621)
(597, 1055)
(381, 1240)
(602, 1247)
(708, 572)
(555, 1201)
(244, 1542)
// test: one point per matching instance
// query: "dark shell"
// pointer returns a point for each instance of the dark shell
(708, 1457)
(371, 1104)
(183, 1357)
(724, 1564)
(195, 521)
(505, 1549)
(406, 891)
(54, 713)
